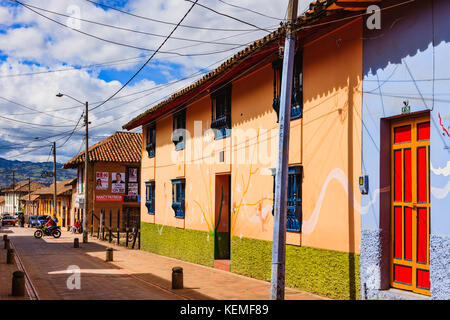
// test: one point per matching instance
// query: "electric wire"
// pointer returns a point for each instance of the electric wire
(350, 17)
(128, 45)
(120, 61)
(164, 22)
(143, 66)
(38, 111)
(75, 128)
(129, 30)
(190, 100)
(229, 16)
(34, 124)
(250, 10)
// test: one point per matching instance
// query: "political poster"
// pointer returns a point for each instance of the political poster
(102, 180)
(118, 182)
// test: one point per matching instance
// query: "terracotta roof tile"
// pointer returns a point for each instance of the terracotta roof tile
(62, 187)
(22, 186)
(317, 9)
(33, 197)
(120, 147)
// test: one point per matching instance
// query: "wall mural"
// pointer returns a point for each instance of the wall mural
(444, 171)
(445, 124)
(239, 195)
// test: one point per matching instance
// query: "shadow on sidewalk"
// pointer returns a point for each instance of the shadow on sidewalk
(47, 261)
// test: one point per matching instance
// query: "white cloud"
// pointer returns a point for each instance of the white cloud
(52, 46)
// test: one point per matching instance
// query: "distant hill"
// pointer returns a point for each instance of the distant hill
(25, 169)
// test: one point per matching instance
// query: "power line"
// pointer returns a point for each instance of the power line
(250, 10)
(228, 16)
(33, 124)
(38, 111)
(33, 139)
(81, 145)
(130, 30)
(142, 91)
(22, 154)
(195, 74)
(82, 32)
(49, 154)
(164, 22)
(120, 61)
(143, 66)
(128, 45)
(75, 128)
(114, 62)
(187, 102)
(351, 16)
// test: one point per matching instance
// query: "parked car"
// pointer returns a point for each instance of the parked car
(42, 220)
(33, 221)
(8, 220)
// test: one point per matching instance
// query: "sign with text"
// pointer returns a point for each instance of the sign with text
(132, 175)
(79, 200)
(133, 189)
(102, 180)
(118, 182)
(108, 198)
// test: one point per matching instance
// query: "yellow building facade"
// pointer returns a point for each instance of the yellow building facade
(63, 201)
(227, 182)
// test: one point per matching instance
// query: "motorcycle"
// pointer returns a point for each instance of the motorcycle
(43, 231)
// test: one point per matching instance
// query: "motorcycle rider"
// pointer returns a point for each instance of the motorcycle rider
(51, 224)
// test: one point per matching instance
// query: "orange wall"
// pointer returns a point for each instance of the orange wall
(332, 93)
(332, 145)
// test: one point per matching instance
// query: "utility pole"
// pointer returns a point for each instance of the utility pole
(86, 162)
(86, 178)
(29, 196)
(14, 191)
(281, 180)
(54, 179)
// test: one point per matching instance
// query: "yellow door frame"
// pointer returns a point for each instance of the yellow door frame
(413, 145)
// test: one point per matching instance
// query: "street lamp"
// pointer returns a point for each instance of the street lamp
(86, 162)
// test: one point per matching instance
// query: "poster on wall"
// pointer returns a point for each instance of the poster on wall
(132, 189)
(132, 175)
(102, 180)
(118, 182)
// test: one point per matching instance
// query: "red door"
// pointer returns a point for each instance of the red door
(410, 210)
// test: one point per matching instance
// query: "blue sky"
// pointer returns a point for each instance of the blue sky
(34, 50)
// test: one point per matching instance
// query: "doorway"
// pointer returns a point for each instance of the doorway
(410, 204)
(222, 227)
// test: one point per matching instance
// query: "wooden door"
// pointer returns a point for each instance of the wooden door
(410, 210)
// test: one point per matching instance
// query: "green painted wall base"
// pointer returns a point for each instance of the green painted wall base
(184, 244)
(328, 273)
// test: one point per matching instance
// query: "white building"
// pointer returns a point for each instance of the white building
(13, 194)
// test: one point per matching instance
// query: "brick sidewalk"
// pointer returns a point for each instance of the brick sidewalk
(6, 271)
(133, 274)
(200, 282)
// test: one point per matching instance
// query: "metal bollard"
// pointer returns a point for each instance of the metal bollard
(10, 256)
(7, 244)
(177, 278)
(76, 243)
(18, 284)
(109, 254)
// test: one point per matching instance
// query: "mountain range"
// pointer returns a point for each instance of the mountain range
(34, 170)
